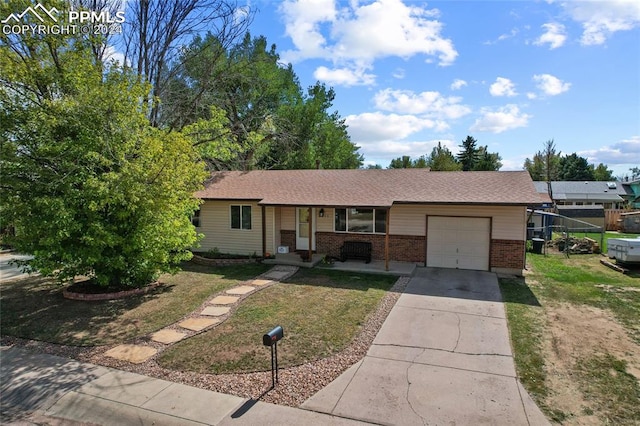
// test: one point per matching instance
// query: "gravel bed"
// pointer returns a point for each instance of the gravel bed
(296, 384)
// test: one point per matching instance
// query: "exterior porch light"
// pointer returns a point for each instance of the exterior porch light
(321, 213)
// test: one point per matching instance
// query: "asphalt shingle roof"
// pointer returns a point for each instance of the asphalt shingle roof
(583, 190)
(372, 188)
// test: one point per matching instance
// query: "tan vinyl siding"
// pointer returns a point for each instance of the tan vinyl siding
(270, 228)
(509, 222)
(215, 224)
(288, 218)
(277, 219)
(325, 224)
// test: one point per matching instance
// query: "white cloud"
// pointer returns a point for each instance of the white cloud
(458, 84)
(550, 85)
(356, 35)
(500, 120)
(399, 73)
(555, 35)
(601, 19)
(502, 37)
(531, 95)
(344, 76)
(503, 87)
(432, 104)
(626, 151)
(377, 126)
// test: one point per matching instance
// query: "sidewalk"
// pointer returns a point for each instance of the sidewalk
(46, 389)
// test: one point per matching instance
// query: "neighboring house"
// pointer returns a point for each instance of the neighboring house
(633, 193)
(589, 214)
(610, 195)
(466, 220)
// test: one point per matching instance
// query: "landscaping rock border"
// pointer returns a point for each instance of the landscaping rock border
(205, 261)
(108, 296)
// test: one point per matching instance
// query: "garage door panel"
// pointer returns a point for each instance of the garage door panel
(458, 242)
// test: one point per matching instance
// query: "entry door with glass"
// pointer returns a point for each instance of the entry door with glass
(302, 228)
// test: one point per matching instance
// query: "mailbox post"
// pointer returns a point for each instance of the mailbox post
(271, 339)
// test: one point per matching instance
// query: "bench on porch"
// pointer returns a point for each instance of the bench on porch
(356, 250)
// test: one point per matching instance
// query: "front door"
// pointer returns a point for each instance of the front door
(302, 228)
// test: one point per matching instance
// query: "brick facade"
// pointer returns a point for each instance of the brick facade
(404, 248)
(288, 238)
(507, 254)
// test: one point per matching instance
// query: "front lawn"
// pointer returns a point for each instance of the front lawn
(33, 308)
(321, 312)
(575, 331)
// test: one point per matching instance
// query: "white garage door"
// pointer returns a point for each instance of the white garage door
(458, 242)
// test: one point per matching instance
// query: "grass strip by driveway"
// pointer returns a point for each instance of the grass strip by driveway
(33, 308)
(581, 279)
(321, 312)
(609, 392)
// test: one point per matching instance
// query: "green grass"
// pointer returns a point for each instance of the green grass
(614, 392)
(581, 279)
(321, 312)
(611, 393)
(525, 319)
(34, 308)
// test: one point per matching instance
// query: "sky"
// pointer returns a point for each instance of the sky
(512, 74)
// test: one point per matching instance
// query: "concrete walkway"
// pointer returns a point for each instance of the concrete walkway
(442, 357)
(37, 389)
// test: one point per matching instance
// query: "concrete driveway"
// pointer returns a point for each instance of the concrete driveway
(443, 356)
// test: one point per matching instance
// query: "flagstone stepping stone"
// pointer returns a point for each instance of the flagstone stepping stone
(215, 311)
(224, 300)
(198, 324)
(260, 282)
(135, 354)
(243, 289)
(276, 275)
(167, 336)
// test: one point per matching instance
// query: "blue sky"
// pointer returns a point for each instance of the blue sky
(513, 74)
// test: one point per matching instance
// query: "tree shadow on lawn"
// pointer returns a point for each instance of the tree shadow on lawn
(34, 308)
(516, 290)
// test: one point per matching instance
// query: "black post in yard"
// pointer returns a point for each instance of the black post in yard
(271, 339)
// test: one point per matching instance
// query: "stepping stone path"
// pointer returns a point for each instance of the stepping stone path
(211, 313)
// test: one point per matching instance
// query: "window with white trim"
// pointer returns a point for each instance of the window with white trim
(359, 220)
(240, 217)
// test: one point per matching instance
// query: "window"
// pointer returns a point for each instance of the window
(195, 218)
(360, 220)
(240, 217)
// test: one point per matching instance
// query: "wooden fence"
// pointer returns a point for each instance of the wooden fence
(611, 217)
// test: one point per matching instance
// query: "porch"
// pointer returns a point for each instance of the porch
(374, 267)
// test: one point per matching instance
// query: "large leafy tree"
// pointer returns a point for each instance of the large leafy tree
(406, 162)
(91, 187)
(602, 173)
(266, 119)
(574, 167)
(487, 161)
(442, 160)
(545, 165)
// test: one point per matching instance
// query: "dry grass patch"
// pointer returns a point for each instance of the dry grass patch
(34, 308)
(321, 312)
(584, 339)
